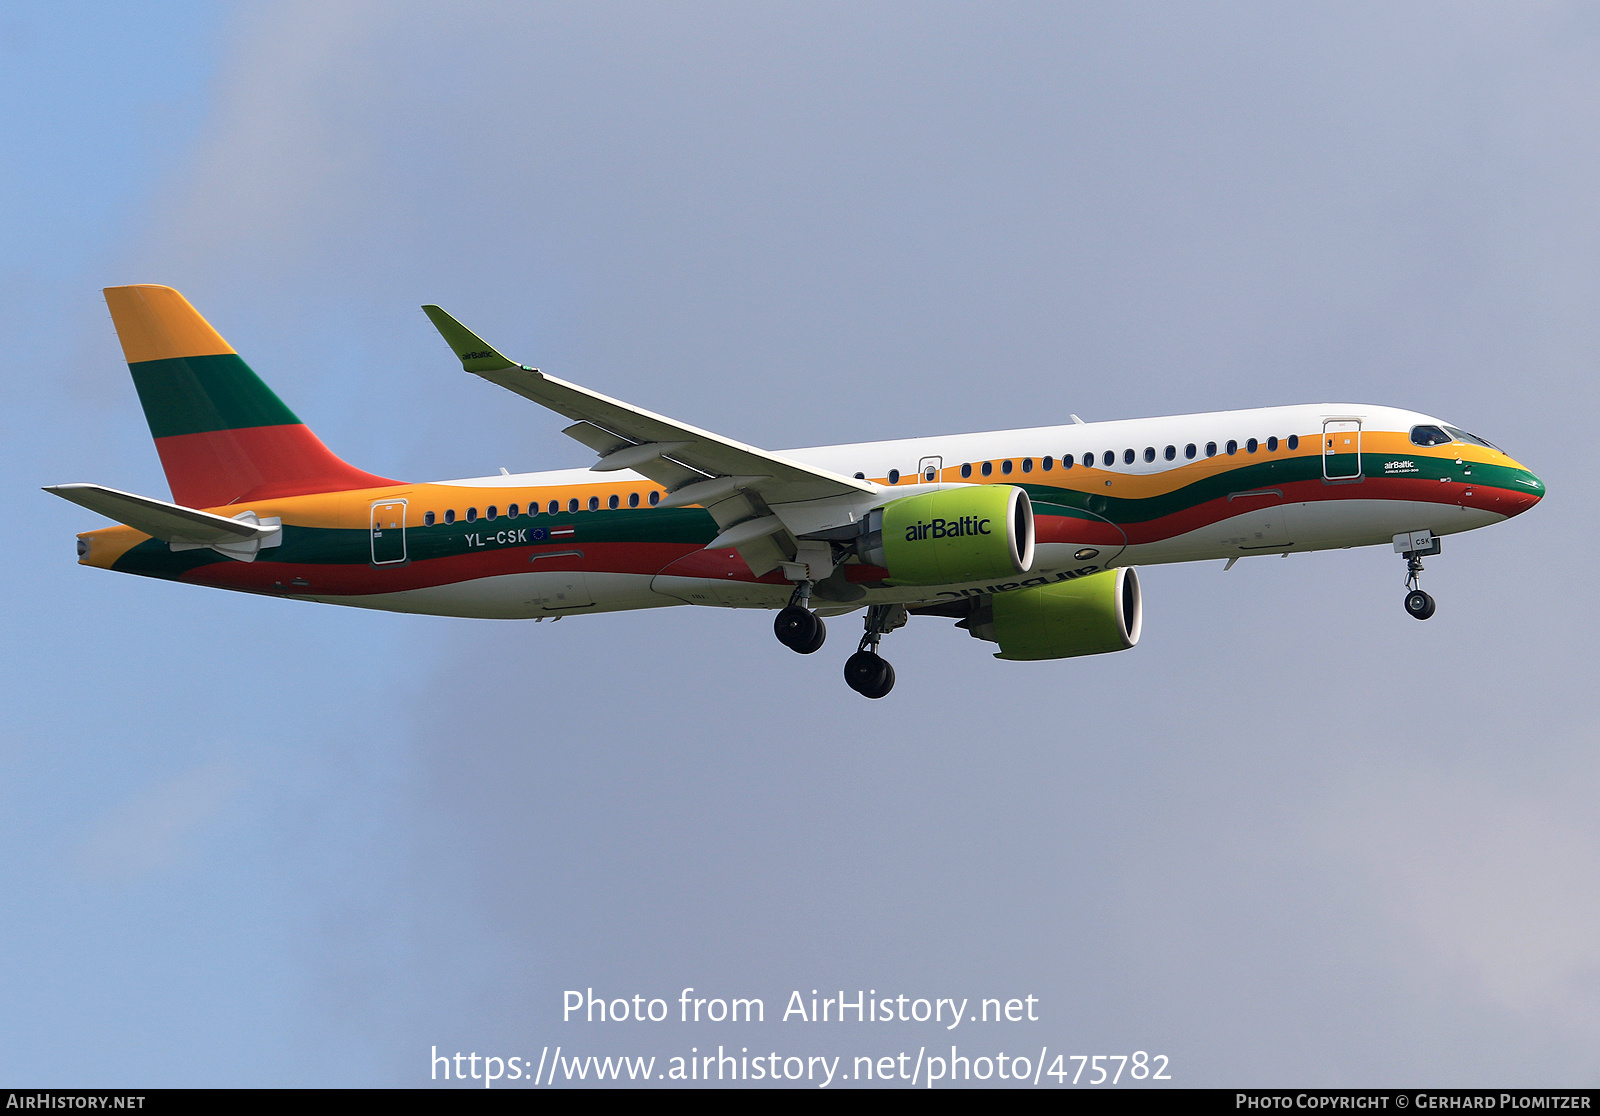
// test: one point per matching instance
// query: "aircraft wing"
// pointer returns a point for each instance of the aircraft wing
(735, 482)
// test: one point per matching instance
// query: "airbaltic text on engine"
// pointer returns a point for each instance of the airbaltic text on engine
(947, 528)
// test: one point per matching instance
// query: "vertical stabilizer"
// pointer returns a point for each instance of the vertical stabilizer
(222, 434)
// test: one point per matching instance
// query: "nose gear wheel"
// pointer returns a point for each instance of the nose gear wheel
(1418, 604)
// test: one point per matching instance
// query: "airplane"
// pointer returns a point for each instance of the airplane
(1028, 539)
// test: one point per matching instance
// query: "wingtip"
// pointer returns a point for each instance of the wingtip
(475, 354)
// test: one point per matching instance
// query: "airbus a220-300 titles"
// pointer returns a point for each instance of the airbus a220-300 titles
(1028, 539)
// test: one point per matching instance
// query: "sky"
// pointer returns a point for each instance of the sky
(1294, 838)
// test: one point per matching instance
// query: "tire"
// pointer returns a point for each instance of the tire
(812, 645)
(864, 672)
(1419, 604)
(885, 684)
(795, 627)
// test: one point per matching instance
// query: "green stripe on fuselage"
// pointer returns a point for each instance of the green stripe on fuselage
(328, 546)
(1257, 475)
(195, 395)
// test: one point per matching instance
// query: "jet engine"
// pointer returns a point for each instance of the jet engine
(1085, 616)
(954, 535)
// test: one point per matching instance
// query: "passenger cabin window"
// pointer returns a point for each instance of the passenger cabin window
(1211, 449)
(472, 515)
(427, 519)
(1189, 452)
(1250, 446)
(966, 469)
(594, 503)
(1428, 436)
(612, 502)
(1005, 467)
(633, 499)
(1149, 454)
(572, 505)
(1172, 453)
(1294, 441)
(1127, 457)
(555, 506)
(894, 476)
(1272, 444)
(986, 468)
(491, 512)
(511, 512)
(1048, 463)
(1233, 447)
(1066, 461)
(1088, 461)
(1027, 464)
(655, 498)
(1110, 458)
(861, 476)
(450, 515)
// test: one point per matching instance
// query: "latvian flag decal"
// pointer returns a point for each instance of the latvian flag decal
(562, 532)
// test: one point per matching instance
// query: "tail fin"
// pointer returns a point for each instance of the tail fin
(222, 434)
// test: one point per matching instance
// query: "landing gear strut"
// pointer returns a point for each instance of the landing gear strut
(797, 627)
(1413, 548)
(866, 672)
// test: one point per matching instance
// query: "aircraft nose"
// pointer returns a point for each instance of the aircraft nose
(1526, 485)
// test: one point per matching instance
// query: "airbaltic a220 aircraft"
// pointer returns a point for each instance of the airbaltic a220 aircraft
(1026, 538)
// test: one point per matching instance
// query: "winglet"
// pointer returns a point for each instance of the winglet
(476, 354)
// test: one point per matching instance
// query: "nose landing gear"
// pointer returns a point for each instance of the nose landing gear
(866, 672)
(1414, 546)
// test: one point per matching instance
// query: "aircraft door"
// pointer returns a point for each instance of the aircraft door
(1341, 449)
(927, 466)
(388, 532)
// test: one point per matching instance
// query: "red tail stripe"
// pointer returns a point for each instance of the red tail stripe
(220, 467)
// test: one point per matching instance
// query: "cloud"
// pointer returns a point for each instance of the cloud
(151, 831)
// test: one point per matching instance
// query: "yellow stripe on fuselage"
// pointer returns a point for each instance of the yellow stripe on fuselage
(1139, 486)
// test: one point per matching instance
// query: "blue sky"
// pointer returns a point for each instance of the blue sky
(1292, 838)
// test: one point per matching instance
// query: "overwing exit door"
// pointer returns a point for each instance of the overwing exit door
(929, 469)
(1341, 449)
(388, 532)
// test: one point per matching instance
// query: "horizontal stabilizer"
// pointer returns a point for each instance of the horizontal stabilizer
(180, 527)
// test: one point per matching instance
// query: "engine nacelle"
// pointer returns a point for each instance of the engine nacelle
(1086, 616)
(954, 535)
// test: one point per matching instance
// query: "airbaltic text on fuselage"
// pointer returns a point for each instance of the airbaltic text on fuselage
(1029, 583)
(948, 528)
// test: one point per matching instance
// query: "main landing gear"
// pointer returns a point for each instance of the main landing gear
(797, 627)
(1414, 547)
(867, 672)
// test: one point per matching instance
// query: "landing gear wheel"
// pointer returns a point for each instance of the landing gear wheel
(869, 674)
(815, 642)
(799, 629)
(1419, 604)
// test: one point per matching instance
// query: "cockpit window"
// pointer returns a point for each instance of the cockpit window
(1463, 436)
(1428, 436)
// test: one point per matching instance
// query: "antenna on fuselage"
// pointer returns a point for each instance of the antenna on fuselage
(1077, 420)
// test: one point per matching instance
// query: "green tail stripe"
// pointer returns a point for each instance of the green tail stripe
(193, 395)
